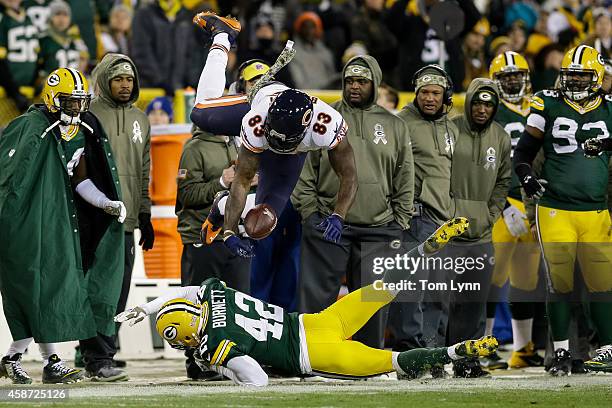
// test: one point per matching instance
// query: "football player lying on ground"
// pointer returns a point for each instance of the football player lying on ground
(235, 333)
(277, 130)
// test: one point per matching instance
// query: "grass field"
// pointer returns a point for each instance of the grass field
(160, 383)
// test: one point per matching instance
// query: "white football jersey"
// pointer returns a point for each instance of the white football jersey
(327, 127)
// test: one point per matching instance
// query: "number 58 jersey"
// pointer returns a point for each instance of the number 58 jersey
(238, 324)
(575, 183)
(327, 127)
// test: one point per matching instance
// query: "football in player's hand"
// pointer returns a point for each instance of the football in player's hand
(260, 221)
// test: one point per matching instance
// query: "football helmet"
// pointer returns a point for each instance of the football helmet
(288, 118)
(510, 72)
(180, 322)
(66, 92)
(582, 72)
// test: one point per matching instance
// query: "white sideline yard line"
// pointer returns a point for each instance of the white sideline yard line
(167, 378)
(193, 388)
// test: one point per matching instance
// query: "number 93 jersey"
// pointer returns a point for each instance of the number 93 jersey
(327, 127)
(575, 183)
(239, 324)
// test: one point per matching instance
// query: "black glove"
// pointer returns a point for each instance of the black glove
(147, 234)
(534, 187)
(595, 147)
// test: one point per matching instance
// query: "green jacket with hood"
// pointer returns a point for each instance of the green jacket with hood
(202, 162)
(432, 146)
(129, 134)
(481, 169)
(383, 156)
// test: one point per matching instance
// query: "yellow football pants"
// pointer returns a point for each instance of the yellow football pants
(515, 257)
(327, 332)
(585, 234)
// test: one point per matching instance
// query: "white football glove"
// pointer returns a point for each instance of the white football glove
(515, 221)
(116, 208)
(134, 315)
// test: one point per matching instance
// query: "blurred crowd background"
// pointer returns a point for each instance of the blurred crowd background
(37, 36)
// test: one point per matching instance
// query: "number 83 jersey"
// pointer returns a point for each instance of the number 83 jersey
(238, 324)
(575, 183)
(327, 128)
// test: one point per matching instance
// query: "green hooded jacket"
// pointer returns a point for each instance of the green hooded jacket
(61, 259)
(432, 145)
(383, 156)
(203, 160)
(129, 133)
(481, 171)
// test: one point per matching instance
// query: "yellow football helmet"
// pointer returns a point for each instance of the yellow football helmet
(180, 322)
(582, 72)
(510, 72)
(66, 91)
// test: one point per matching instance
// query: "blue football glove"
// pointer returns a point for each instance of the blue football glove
(241, 247)
(332, 228)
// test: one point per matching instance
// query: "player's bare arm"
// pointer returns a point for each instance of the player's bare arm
(342, 161)
(246, 167)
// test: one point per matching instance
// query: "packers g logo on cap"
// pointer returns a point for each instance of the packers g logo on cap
(170, 333)
(53, 80)
(485, 96)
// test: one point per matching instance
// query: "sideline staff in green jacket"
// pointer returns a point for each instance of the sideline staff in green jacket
(117, 89)
(382, 207)
(479, 184)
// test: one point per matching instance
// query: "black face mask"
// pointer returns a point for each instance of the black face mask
(265, 43)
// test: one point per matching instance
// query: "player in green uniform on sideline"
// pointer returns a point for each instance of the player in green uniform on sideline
(517, 255)
(234, 333)
(572, 217)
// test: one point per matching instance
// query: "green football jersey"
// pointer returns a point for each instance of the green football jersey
(239, 324)
(38, 11)
(53, 54)
(18, 45)
(513, 119)
(73, 143)
(575, 183)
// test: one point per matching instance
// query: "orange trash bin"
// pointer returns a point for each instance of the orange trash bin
(166, 146)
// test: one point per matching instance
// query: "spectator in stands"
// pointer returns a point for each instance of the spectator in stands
(382, 207)
(368, 27)
(419, 44)
(207, 167)
(159, 111)
(539, 38)
(518, 37)
(38, 11)
(262, 45)
(473, 52)
(84, 16)
(117, 37)
(335, 17)
(547, 65)
(479, 185)
(61, 45)
(601, 38)
(162, 34)
(388, 97)
(127, 127)
(17, 52)
(313, 65)
(499, 45)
